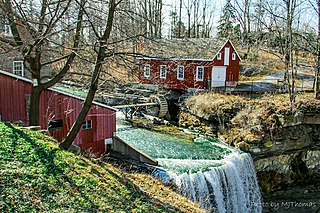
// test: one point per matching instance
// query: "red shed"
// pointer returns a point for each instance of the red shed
(185, 73)
(58, 111)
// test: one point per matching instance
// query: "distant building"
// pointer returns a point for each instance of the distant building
(58, 112)
(179, 71)
(11, 58)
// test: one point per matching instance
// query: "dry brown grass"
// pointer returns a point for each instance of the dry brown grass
(163, 195)
(250, 120)
(214, 103)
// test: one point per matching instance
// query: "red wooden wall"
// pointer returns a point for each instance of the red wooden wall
(190, 65)
(171, 80)
(57, 106)
(13, 98)
(233, 68)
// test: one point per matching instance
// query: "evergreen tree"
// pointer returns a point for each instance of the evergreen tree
(179, 30)
(225, 28)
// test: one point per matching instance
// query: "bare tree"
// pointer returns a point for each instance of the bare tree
(101, 55)
(258, 15)
(282, 15)
(188, 7)
(243, 15)
(317, 52)
(34, 37)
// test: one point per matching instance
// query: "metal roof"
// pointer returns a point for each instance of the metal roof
(196, 49)
(56, 90)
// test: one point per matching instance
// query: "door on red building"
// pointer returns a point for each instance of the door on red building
(218, 76)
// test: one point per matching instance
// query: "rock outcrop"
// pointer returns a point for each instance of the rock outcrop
(285, 145)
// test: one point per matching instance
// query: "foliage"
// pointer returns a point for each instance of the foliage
(180, 26)
(225, 28)
(36, 176)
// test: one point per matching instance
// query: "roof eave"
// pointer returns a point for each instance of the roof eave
(228, 40)
(56, 90)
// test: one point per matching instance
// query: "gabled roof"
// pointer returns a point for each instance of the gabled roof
(235, 50)
(56, 90)
(188, 48)
(196, 49)
(175, 59)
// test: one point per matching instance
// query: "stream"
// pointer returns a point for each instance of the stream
(219, 177)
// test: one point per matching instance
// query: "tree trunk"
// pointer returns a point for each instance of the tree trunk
(317, 75)
(204, 19)
(288, 51)
(67, 142)
(34, 107)
(179, 27)
(85, 108)
(189, 24)
(194, 19)
(317, 78)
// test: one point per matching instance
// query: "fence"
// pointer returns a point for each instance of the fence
(261, 86)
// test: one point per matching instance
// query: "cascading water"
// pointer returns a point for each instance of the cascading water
(230, 187)
(220, 178)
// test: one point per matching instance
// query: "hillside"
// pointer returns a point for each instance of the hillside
(35, 175)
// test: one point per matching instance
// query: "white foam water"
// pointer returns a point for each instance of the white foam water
(231, 187)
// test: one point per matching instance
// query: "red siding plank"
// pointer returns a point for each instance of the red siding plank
(171, 81)
(54, 105)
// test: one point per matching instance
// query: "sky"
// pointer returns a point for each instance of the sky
(169, 5)
(307, 14)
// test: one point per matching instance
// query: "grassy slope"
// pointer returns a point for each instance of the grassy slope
(35, 175)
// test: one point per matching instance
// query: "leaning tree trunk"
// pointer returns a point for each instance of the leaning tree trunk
(317, 76)
(67, 142)
(87, 104)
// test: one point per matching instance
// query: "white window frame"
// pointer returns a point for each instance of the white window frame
(146, 70)
(180, 68)
(86, 125)
(234, 56)
(219, 56)
(7, 28)
(163, 71)
(226, 61)
(197, 73)
(18, 72)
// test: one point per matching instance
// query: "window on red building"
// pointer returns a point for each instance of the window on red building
(200, 73)
(180, 73)
(163, 71)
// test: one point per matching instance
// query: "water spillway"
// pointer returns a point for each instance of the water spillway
(230, 187)
(220, 178)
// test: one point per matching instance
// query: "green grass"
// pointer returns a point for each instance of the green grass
(36, 176)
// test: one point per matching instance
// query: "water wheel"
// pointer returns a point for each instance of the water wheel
(163, 104)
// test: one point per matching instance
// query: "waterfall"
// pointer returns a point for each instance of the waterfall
(231, 187)
(209, 172)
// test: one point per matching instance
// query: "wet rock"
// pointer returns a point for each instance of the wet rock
(20, 123)
(243, 146)
(74, 149)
